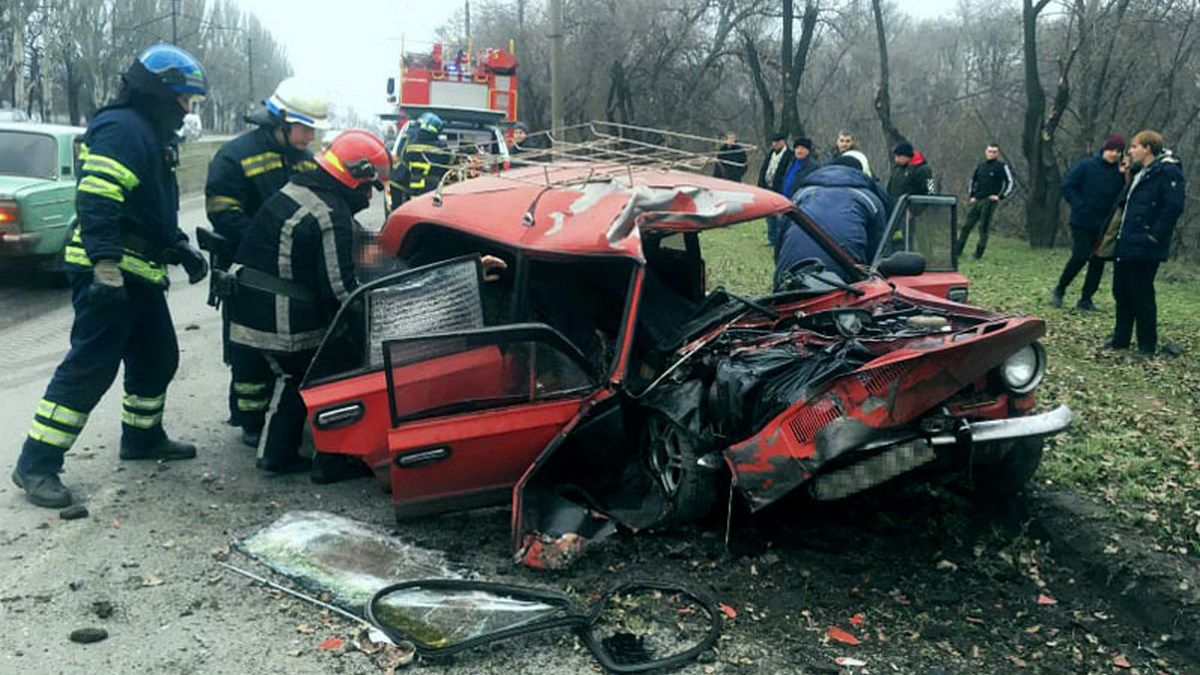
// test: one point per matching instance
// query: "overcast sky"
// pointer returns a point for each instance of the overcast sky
(353, 46)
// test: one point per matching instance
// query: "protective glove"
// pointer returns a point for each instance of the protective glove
(192, 260)
(108, 284)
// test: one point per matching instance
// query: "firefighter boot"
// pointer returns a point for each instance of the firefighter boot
(332, 468)
(165, 449)
(42, 489)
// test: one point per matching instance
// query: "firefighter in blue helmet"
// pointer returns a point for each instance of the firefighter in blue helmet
(243, 174)
(127, 203)
(421, 160)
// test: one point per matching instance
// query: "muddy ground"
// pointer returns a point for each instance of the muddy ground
(921, 580)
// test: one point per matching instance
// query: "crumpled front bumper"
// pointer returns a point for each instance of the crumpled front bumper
(991, 431)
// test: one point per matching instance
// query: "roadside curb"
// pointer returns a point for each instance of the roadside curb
(1160, 590)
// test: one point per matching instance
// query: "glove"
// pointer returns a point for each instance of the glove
(108, 284)
(192, 260)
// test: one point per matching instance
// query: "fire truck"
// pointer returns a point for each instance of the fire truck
(474, 92)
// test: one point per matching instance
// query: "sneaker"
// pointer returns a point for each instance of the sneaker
(1056, 298)
(1109, 344)
(1146, 352)
(977, 257)
(42, 489)
(251, 437)
(166, 450)
(295, 464)
(1086, 306)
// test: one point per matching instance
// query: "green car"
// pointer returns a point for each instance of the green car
(37, 192)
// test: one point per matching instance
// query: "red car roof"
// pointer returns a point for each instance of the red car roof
(588, 209)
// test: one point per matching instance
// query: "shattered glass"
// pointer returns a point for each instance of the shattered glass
(444, 617)
(327, 552)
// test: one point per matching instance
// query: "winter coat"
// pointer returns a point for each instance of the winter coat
(774, 181)
(304, 236)
(797, 172)
(1092, 188)
(846, 204)
(244, 173)
(1155, 202)
(731, 163)
(127, 200)
(991, 177)
(914, 178)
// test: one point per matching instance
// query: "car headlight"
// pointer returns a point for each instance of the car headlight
(849, 324)
(1023, 371)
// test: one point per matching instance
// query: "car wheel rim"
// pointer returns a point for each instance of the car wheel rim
(666, 455)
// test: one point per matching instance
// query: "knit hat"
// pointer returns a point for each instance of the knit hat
(803, 140)
(903, 149)
(1115, 142)
(780, 136)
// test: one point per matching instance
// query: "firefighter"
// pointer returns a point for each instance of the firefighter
(242, 175)
(422, 159)
(294, 268)
(127, 203)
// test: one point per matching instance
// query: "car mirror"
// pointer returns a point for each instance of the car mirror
(445, 616)
(902, 264)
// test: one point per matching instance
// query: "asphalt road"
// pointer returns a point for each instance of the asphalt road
(921, 581)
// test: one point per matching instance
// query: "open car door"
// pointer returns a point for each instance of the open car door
(926, 224)
(471, 410)
(345, 389)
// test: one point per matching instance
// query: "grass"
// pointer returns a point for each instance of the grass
(1137, 421)
(193, 164)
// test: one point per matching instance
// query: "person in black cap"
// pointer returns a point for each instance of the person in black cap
(1092, 188)
(911, 174)
(801, 166)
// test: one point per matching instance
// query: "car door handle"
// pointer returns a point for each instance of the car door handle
(339, 416)
(422, 457)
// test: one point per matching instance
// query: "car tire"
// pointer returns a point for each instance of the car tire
(672, 454)
(1010, 473)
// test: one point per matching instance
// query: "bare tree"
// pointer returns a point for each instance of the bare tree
(883, 96)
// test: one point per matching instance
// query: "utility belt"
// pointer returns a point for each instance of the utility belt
(227, 284)
(220, 251)
(138, 257)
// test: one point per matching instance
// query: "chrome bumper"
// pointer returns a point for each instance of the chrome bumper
(1031, 426)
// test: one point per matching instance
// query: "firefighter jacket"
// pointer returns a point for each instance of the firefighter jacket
(243, 174)
(303, 236)
(127, 200)
(423, 161)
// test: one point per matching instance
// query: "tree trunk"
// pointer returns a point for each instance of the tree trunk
(754, 64)
(883, 98)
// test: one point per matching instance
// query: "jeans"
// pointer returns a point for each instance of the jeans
(1133, 289)
(1083, 242)
(981, 212)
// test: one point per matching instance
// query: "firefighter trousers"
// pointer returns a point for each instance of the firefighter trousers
(284, 429)
(250, 384)
(136, 331)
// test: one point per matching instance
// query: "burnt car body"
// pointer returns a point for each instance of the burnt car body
(599, 382)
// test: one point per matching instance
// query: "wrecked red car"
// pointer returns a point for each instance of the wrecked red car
(598, 382)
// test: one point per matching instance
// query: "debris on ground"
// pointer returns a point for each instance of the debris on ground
(88, 635)
(103, 609)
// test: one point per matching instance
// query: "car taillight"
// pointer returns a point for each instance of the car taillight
(10, 218)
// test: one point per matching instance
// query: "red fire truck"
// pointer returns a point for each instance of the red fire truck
(456, 79)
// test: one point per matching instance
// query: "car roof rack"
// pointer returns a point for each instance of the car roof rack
(608, 150)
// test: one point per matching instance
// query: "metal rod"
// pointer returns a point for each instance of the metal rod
(297, 594)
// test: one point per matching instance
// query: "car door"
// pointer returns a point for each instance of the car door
(471, 410)
(345, 388)
(926, 224)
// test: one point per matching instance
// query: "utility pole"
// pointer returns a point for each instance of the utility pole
(249, 70)
(556, 37)
(174, 23)
(467, 17)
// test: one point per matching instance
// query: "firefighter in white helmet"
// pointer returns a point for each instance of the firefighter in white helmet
(244, 173)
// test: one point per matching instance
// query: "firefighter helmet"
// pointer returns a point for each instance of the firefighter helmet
(295, 102)
(178, 70)
(356, 157)
(430, 123)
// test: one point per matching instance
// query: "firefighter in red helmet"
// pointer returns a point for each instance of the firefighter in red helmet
(293, 269)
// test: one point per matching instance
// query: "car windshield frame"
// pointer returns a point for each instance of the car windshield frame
(23, 152)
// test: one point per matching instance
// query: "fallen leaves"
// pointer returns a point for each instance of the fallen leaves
(728, 611)
(331, 643)
(1046, 600)
(1120, 661)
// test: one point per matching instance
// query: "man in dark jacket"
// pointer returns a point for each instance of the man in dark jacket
(775, 164)
(294, 268)
(1154, 203)
(802, 165)
(1091, 188)
(847, 204)
(241, 176)
(910, 175)
(991, 182)
(731, 159)
(127, 202)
